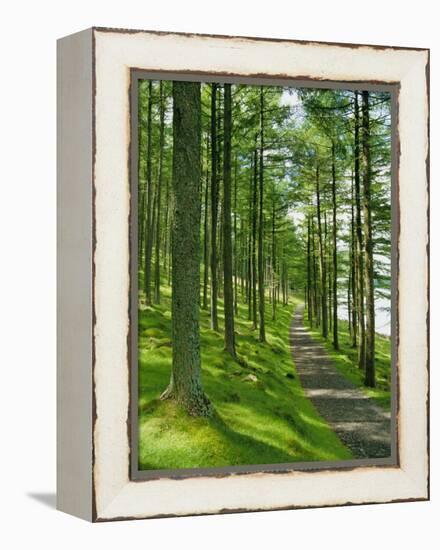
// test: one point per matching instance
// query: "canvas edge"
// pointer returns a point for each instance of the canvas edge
(74, 274)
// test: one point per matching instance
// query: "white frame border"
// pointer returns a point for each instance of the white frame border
(115, 53)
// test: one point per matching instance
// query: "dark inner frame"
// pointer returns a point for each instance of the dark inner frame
(133, 420)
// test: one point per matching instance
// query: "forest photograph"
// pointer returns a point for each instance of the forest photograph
(264, 274)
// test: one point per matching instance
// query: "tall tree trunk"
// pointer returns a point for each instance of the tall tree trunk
(214, 206)
(354, 311)
(370, 377)
(335, 254)
(206, 232)
(309, 276)
(250, 238)
(149, 202)
(254, 241)
(159, 191)
(166, 225)
(316, 307)
(359, 236)
(185, 385)
(227, 226)
(141, 188)
(350, 327)
(235, 238)
(262, 335)
(274, 298)
(328, 267)
(321, 259)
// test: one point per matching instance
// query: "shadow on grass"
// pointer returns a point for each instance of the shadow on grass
(263, 416)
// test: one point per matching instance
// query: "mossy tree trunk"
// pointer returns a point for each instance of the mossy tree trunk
(185, 385)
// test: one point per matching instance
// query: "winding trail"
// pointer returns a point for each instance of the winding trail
(359, 423)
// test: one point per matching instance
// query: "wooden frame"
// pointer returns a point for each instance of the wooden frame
(94, 422)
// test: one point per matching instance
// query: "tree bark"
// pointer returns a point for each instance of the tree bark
(254, 241)
(359, 236)
(354, 312)
(335, 254)
(159, 191)
(149, 202)
(262, 335)
(321, 259)
(370, 377)
(206, 233)
(185, 385)
(214, 206)
(227, 227)
(309, 277)
(235, 259)
(274, 289)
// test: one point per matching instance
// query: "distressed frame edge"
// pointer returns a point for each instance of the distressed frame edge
(425, 496)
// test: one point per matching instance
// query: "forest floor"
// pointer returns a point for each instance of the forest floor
(262, 415)
(362, 425)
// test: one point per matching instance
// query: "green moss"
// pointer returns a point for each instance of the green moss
(261, 413)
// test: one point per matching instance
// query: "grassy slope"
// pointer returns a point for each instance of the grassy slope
(262, 421)
(346, 361)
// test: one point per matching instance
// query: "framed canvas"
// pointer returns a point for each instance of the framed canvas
(243, 288)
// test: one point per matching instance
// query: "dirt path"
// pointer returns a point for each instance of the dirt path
(360, 424)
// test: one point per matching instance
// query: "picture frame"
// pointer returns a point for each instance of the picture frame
(97, 471)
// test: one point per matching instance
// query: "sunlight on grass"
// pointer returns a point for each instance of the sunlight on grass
(261, 413)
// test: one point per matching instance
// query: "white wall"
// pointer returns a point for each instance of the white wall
(27, 300)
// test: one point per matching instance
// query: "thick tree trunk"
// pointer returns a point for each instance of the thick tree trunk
(335, 254)
(359, 236)
(321, 259)
(262, 335)
(214, 206)
(370, 377)
(185, 385)
(227, 226)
